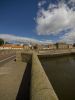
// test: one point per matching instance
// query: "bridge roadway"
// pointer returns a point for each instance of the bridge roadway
(11, 74)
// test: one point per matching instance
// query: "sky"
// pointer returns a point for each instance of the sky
(46, 21)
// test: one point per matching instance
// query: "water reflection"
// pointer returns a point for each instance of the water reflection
(61, 73)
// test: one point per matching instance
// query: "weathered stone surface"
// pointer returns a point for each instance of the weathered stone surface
(41, 89)
(10, 79)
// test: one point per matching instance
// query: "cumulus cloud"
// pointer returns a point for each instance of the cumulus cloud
(55, 19)
(46, 42)
(10, 38)
(41, 3)
(71, 1)
(68, 37)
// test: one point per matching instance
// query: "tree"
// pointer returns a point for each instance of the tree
(35, 46)
(1, 41)
(7, 43)
(74, 45)
(57, 44)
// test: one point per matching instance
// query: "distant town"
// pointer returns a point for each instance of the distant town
(60, 45)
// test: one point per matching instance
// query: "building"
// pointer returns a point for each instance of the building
(11, 46)
(41, 47)
(26, 47)
(52, 46)
(70, 46)
(62, 45)
(6, 46)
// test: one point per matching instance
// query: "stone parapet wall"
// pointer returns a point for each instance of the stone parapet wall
(57, 51)
(41, 88)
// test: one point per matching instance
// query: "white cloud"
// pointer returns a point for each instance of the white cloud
(55, 19)
(68, 37)
(72, 1)
(52, 6)
(41, 3)
(46, 42)
(9, 38)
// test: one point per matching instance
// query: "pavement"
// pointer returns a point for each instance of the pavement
(11, 74)
(4, 55)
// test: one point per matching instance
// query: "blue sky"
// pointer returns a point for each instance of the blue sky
(38, 19)
(17, 17)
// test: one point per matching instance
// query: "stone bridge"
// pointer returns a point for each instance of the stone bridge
(31, 81)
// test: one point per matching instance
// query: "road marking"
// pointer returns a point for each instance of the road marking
(7, 58)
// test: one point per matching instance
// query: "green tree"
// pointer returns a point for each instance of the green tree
(74, 45)
(7, 43)
(1, 41)
(35, 46)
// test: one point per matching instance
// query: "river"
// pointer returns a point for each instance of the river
(61, 73)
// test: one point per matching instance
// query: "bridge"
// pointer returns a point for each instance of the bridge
(22, 77)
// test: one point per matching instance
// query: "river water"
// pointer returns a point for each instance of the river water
(61, 73)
